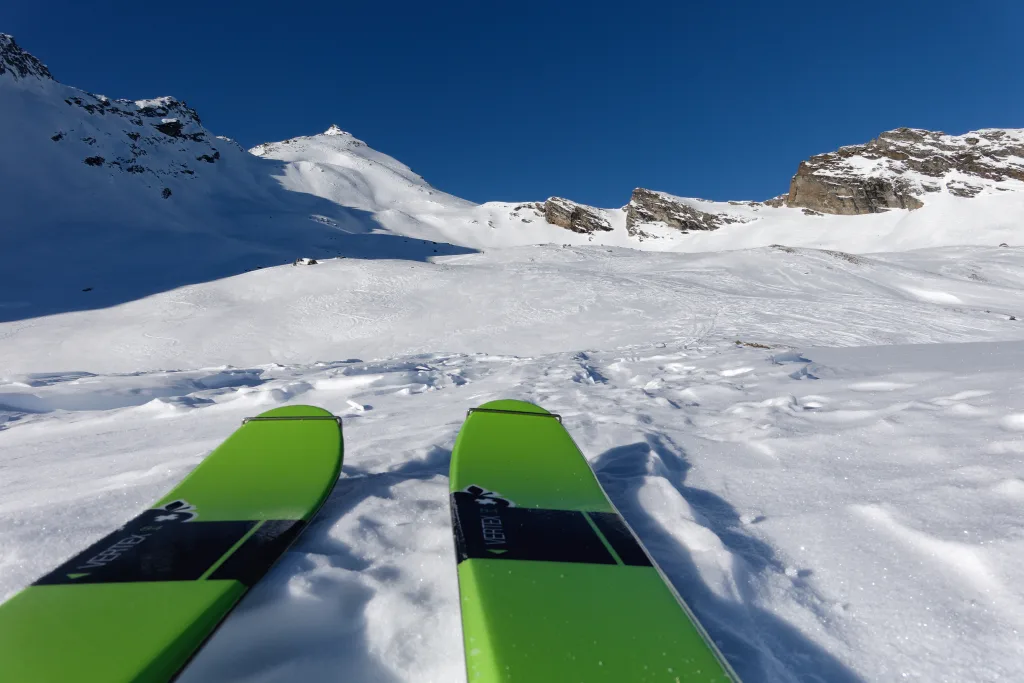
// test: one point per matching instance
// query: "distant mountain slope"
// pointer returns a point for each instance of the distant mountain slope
(107, 200)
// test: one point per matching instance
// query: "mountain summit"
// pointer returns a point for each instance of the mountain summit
(18, 64)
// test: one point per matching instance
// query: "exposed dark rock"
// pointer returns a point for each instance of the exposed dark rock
(94, 161)
(172, 128)
(58, 137)
(166, 192)
(208, 158)
(18, 63)
(850, 258)
(961, 188)
(533, 209)
(848, 195)
(647, 206)
(576, 217)
(168, 107)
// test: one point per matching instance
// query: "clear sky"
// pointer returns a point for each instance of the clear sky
(500, 100)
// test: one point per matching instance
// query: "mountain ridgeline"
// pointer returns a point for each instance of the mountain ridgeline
(148, 176)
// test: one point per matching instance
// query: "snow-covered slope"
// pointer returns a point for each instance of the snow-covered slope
(537, 299)
(337, 167)
(987, 220)
(107, 201)
(344, 170)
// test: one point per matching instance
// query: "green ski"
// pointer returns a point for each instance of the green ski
(136, 605)
(554, 586)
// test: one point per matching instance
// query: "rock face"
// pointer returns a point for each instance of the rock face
(148, 140)
(895, 169)
(162, 136)
(648, 206)
(18, 63)
(576, 217)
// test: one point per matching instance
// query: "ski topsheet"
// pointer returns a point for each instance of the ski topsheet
(553, 584)
(137, 604)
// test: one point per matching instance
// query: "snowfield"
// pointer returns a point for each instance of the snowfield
(834, 514)
(537, 299)
(814, 423)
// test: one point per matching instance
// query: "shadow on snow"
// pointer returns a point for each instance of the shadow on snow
(81, 264)
(324, 612)
(760, 646)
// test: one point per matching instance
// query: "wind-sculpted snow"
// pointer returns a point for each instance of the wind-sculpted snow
(830, 514)
(537, 300)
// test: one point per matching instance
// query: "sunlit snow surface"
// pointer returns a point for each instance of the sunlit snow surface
(832, 514)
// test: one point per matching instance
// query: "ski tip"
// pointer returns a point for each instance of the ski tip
(299, 412)
(512, 406)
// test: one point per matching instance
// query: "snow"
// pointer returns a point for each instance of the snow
(829, 512)
(814, 423)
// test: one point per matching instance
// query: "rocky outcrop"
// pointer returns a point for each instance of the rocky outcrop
(848, 196)
(648, 206)
(528, 212)
(18, 63)
(894, 170)
(576, 217)
(160, 136)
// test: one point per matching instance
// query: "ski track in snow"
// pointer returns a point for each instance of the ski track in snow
(832, 514)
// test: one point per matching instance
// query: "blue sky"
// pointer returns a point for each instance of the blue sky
(497, 100)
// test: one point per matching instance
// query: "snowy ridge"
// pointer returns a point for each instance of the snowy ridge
(945, 220)
(1000, 149)
(121, 199)
(18, 65)
(906, 168)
